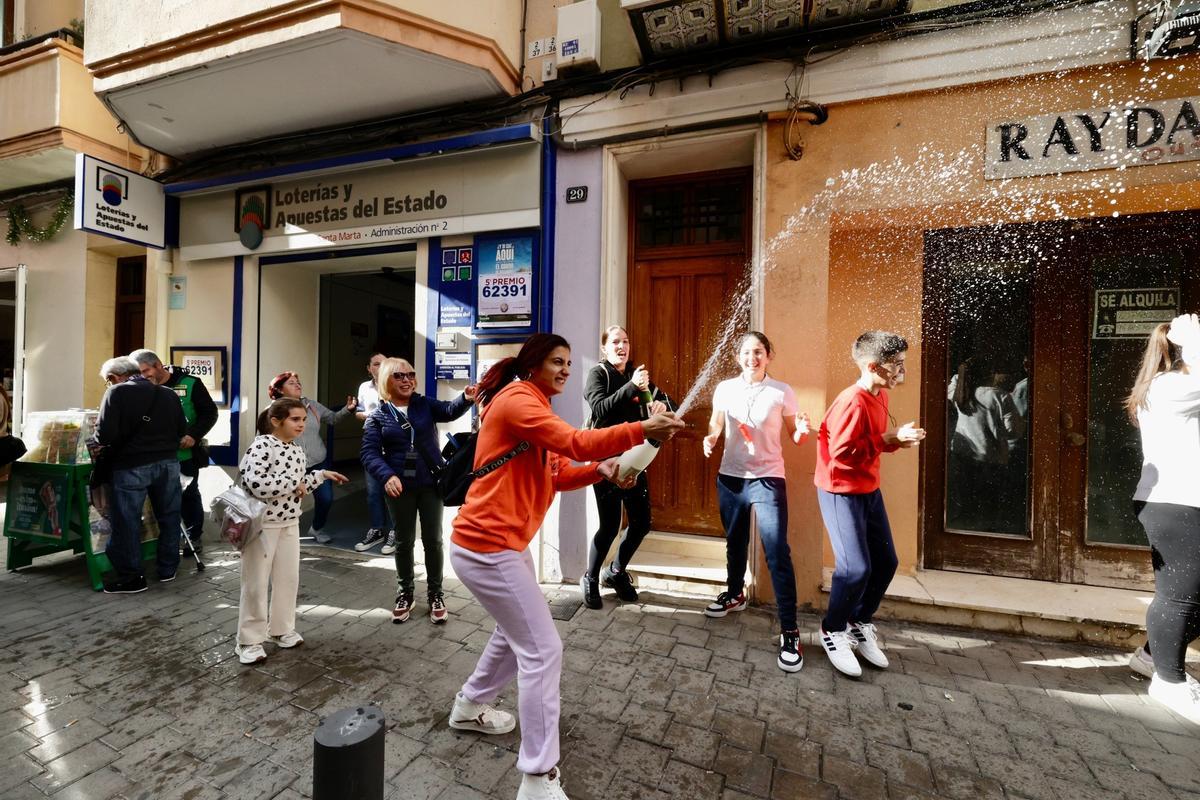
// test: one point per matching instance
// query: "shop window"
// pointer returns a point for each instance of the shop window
(988, 397)
(698, 213)
(129, 330)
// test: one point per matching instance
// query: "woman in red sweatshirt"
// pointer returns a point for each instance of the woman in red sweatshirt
(489, 547)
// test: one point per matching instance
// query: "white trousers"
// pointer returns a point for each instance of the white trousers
(273, 559)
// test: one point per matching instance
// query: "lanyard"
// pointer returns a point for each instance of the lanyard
(752, 397)
(402, 419)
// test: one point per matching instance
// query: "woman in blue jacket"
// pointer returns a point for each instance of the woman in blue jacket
(400, 450)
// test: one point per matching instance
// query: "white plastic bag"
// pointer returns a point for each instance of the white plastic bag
(239, 516)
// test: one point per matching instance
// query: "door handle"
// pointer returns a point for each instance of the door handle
(1076, 439)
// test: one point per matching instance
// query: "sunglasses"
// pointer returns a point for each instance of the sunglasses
(404, 376)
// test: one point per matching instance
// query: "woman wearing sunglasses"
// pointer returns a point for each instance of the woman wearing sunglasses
(399, 449)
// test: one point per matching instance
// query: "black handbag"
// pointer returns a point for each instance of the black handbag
(455, 478)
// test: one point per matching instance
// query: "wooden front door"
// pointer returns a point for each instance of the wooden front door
(1032, 337)
(689, 246)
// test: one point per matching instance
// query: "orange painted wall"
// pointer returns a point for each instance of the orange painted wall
(844, 227)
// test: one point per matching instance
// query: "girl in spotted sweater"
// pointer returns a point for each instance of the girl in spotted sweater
(273, 470)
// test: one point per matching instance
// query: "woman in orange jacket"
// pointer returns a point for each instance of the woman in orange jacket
(489, 547)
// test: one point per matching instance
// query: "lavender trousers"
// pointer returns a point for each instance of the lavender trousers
(525, 645)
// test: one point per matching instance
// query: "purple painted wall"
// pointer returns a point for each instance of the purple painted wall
(576, 317)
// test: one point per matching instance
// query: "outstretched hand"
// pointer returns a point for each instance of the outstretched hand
(1185, 331)
(662, 427)
(610, 470)
(710, 443)
(351, 402)
(909, 435)
(336, 477)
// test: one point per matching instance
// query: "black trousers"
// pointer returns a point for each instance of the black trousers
(609, 500)
(1173, 619)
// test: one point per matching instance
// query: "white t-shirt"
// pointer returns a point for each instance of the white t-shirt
(1170, 429)
(368, 396)
(760, 407)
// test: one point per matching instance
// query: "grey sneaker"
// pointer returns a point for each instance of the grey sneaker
(374, 536)
(1141, 662)
(389, 544)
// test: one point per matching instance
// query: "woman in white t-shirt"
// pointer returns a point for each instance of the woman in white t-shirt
(1164, 404)
(752, 410)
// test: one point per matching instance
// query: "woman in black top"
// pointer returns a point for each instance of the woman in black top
(616, 392)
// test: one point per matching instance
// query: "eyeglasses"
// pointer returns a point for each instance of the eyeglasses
(404, 376)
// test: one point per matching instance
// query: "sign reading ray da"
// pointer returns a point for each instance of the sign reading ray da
(1134, 135)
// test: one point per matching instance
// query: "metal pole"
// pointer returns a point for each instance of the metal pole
(348, 755)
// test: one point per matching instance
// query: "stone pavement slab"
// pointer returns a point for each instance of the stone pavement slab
(140, 697)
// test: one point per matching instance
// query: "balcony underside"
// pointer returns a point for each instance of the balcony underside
(268, 76)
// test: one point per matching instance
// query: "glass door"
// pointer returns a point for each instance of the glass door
(1032, 338)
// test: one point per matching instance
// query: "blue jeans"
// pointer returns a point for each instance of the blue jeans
(768, 498)
(322, 501)
(865, 557)
(160, 481)
(377, 510)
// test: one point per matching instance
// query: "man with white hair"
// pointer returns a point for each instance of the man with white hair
(201, 414)
(139, 428)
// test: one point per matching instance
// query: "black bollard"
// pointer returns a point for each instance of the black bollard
(348, 755)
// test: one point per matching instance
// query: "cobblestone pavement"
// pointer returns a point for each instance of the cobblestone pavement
(141, 697)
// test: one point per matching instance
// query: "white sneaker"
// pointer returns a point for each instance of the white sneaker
(389, 544)
(288, 640)
(1182, 698)
(839, 647)
(866, 642)
(320, 537)
(542, 787)
(1141, 662)
(250, 653)
(480, 717)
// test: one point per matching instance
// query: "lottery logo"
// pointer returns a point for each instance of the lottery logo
(112, 189)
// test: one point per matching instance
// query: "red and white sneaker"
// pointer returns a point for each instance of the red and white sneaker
(437, 609)
(725, 603)
(403, 608)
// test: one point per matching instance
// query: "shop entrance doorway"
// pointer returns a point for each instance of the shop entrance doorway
(1032, 337)
(689, 244)
(323, 316)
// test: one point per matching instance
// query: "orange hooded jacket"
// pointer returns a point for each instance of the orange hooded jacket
(504, 508)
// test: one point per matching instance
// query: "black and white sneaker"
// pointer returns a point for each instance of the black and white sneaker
(591, 591)
(127, 586)
(725, 603)
(374, 536)
(389, 544)
(621, 583)
(839, 647)
(791, 653)
(866, 642)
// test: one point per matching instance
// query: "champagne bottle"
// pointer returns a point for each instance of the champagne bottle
(635, 460)
(645, 399)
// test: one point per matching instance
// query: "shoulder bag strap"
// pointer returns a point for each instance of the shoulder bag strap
(501, 461)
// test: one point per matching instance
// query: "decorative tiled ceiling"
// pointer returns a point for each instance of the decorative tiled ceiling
(668, 28)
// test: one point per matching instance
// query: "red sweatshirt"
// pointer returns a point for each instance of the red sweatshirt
(850, 441)
(505, 508)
